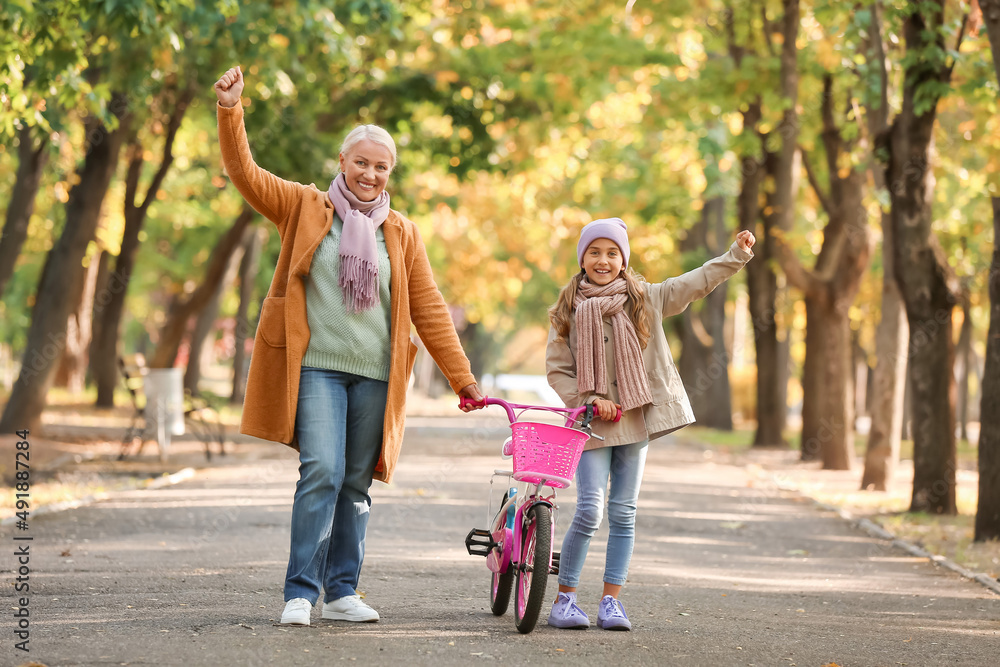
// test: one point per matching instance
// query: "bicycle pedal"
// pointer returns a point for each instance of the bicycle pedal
(479, 542)
(555, 563)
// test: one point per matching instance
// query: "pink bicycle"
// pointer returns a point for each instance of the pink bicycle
(518, 543)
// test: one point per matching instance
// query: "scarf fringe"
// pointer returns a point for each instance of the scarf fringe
(359, 281)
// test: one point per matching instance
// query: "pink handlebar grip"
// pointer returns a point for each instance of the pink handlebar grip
(471, 402)
(618, 416)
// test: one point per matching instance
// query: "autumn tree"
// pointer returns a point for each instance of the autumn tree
(882, 450)
(988, 510)
(829, 288)
(927, 283)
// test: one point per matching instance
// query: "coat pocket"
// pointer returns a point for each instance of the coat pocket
(272, 321)
(665, 385)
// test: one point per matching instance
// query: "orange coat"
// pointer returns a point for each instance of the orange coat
(303, 215)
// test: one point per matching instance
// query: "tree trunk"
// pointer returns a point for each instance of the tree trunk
(72, 371)
(861, 374)
(104, 284)
(889, 381)
(63, 266)
(172, 332)
(988, 510)
(923, 273)
(207, 318)
(105, 367)
(31, 163)
(770, 399)
(772, 356)
(828, 371)
(829, 289)
(963, 361)
(882, 452)
(244, 329)
(704, 361)
(761, 286)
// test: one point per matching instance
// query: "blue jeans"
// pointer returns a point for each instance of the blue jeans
(339, 427)
(623, 465)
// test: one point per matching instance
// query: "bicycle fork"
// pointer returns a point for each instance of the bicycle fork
(533, 500)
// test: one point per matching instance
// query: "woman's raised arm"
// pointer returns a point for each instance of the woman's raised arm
(271, 196)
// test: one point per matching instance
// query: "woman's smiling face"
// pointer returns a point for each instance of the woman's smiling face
(603, 261)
(366, 169)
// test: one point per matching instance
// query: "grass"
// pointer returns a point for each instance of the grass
(741, 439)
(948, 536)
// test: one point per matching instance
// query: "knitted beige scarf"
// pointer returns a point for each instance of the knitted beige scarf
(592, 304)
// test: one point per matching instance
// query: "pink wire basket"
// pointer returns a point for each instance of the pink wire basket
(546, 452)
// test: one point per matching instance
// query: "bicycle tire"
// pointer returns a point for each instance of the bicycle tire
(535, 548)
(501, 585)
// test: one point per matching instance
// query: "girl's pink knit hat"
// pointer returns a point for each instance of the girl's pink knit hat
(606, 228)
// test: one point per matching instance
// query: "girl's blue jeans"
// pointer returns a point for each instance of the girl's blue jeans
(339, 428)
(622, 466)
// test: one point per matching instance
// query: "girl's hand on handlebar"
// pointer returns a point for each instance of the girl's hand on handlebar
(471, 392)
(607, 410)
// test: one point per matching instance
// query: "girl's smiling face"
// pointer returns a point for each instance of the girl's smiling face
(603, 261)
(366, 168)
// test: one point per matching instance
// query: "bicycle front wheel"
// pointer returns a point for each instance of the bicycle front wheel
(535, 551)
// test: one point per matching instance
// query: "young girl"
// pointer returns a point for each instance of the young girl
(607, 347)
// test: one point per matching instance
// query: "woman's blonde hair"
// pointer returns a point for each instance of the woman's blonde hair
(373, 133)
(635, 306)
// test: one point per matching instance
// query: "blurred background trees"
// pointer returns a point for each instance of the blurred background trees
(859, 141)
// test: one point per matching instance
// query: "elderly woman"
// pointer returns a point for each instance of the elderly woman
(332, 356)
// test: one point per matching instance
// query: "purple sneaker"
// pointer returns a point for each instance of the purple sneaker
(611, 615)
(565, 613)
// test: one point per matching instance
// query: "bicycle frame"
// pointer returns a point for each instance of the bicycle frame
(499, 562)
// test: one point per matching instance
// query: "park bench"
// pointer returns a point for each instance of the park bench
(156, 418)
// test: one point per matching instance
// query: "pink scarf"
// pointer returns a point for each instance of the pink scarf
(358, 251)
(592, 304)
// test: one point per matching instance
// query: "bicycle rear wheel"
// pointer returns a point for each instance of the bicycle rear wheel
(500, 589)
(501, 585)
(534, 552)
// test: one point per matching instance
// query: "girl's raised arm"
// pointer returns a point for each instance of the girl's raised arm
(676, 294)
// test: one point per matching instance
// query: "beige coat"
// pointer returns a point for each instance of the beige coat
(303, 215)
(670, 409)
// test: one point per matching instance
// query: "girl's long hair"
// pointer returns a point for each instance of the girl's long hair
(635, 306)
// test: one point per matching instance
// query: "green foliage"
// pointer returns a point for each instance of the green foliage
(516, 123)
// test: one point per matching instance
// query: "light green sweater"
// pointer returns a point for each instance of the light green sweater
(339, 340)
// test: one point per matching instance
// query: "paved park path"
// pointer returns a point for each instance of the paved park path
(728, 570)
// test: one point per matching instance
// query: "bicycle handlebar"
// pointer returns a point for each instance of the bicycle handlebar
(571, 413)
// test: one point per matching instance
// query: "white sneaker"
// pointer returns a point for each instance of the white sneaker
(349, 608)
(296, 612)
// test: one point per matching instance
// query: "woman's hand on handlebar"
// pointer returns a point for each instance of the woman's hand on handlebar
(607, 410)
(471, 392)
